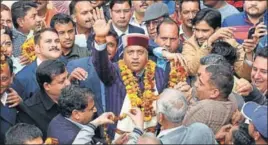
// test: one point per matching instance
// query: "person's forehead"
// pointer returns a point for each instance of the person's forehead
(166, 27)
(185, 5)
(64, 25)
(83, 6)
(204, 75)
(5, 13)
(123, 5)
(4, 70)
(31, 11)
(49, 35)
(135, 48)
(5, 37)
(260, 62)
(111, 38)
(202, 25)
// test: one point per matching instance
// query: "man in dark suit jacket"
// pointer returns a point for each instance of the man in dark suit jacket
(7, 111)
(77, 108)
(42, 107)
(120, 22)
(25, 81)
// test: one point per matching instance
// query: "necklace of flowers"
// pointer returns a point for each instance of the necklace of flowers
(142, 100)
(177, 74)
(3, 62)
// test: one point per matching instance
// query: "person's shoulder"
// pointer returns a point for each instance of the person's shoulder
(199, 126)
(232, 8)
(57, 119)
(34, 100)
(136, 29)
(26, 70)
(235, 17)
(79, 62)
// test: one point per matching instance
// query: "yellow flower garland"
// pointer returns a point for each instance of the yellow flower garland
(3, 62)
(177, 74)
(145, 100)
(28, 49)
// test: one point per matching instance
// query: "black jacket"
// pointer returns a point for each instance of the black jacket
(38, 110)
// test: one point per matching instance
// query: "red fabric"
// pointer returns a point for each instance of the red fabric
(236, 3)
(137, 40)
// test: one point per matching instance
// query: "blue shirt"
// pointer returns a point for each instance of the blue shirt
(241, 19)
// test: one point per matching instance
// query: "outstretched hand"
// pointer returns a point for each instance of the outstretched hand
(104, 118)
(137, 117)
(100, 27)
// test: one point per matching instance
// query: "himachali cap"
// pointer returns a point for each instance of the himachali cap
(257, 114)
(135, 39)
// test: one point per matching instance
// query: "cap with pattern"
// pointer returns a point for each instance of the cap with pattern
(135, 39)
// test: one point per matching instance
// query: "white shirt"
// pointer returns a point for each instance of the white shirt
(133, 21)
(165, 132)
(4, 98)
(38, 61)
(119, 32)
(80, 40)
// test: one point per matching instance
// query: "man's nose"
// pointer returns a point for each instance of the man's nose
(168, 43)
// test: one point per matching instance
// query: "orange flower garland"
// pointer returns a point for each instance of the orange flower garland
(2, 57)
(177, 74)
(144, 100)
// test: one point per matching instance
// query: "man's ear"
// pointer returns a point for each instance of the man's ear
(73, 17)
(75, 115)
(161, 117)
(37, 49)
(20, 22)
(110, 11)
(46, 86)
(214, 93)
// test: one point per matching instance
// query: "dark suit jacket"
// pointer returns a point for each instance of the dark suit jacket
(62, 129)
(25, 81)
(7, 120)
(38, 110)
(92, 82)
(66, 131)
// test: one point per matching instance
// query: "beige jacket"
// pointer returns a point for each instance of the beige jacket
(214, 114)
(192, 53)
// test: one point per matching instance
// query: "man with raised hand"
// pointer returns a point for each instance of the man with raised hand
(131, 82)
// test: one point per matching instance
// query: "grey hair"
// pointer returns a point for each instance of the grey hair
(173, 105)
(150, 138)
(213, 59)
(221, 77)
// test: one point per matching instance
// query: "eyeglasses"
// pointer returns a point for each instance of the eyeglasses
(124, 11)
(153, 22)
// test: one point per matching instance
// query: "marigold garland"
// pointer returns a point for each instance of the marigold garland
(2, 58)
(142, 100)
(177, 74)
(28, 49)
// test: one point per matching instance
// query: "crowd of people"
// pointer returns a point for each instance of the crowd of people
(134, 72)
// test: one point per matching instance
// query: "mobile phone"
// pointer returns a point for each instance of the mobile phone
(252, 30)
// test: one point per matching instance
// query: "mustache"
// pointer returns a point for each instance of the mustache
(54, 48)
(253, 7)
